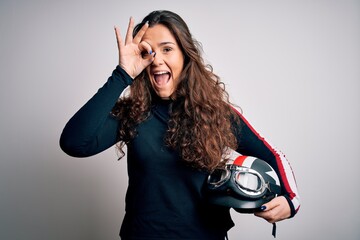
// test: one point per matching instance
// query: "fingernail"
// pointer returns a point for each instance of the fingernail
(150, 52)
(262, 208)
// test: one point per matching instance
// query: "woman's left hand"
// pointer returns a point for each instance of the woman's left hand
(276, 210)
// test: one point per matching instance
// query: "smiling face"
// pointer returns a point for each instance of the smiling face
(168, 64)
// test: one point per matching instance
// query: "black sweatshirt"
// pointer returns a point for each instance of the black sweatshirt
(164, 199)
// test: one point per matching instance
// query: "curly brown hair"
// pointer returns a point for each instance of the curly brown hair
(200, 122)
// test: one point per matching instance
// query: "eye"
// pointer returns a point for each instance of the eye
(167, 49)
(144, 54)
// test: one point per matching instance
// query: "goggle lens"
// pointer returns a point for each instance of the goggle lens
(248, 181)
(218, 177)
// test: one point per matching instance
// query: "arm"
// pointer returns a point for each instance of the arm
(93, 129)
(251, 143)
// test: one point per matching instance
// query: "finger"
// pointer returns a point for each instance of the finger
(118, 36)
(270, 215)
(270, 205)
(148, 59)
(141, 33)
(275, 210)
(266, 211)
(145, 47)
(148, 55)
(129, 32)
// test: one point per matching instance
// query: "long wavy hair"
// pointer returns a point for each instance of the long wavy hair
(200, 121)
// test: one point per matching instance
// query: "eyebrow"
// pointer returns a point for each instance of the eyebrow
(165, 43)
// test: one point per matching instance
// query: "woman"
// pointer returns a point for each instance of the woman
(177, 123)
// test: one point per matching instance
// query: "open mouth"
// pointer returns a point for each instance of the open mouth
(161, 77)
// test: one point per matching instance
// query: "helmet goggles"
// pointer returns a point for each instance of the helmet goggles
(243, 184)
(243, 181)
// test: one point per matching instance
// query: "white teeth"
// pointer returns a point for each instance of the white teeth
(161, 72)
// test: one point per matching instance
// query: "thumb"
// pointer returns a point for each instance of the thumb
(147, 59)
(148, 54)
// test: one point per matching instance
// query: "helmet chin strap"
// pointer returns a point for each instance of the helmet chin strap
(274, 230)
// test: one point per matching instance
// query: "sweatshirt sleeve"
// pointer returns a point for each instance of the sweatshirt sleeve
(93, 129)
(251, 143)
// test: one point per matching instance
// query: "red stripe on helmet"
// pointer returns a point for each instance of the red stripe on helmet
(239, 160)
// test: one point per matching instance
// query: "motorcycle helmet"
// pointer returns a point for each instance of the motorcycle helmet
(245, 183)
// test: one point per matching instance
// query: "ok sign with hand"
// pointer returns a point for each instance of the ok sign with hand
(131, 52)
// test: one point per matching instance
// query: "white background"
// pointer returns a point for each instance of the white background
(293, 66)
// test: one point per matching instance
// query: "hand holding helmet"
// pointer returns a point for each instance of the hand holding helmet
(276, 210)
(245, 184)
(249, 185)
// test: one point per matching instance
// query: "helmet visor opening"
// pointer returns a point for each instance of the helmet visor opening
(249, 181)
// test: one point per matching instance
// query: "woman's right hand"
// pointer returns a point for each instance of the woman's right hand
(131, 57)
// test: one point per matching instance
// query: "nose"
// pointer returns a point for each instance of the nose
(158, 60)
